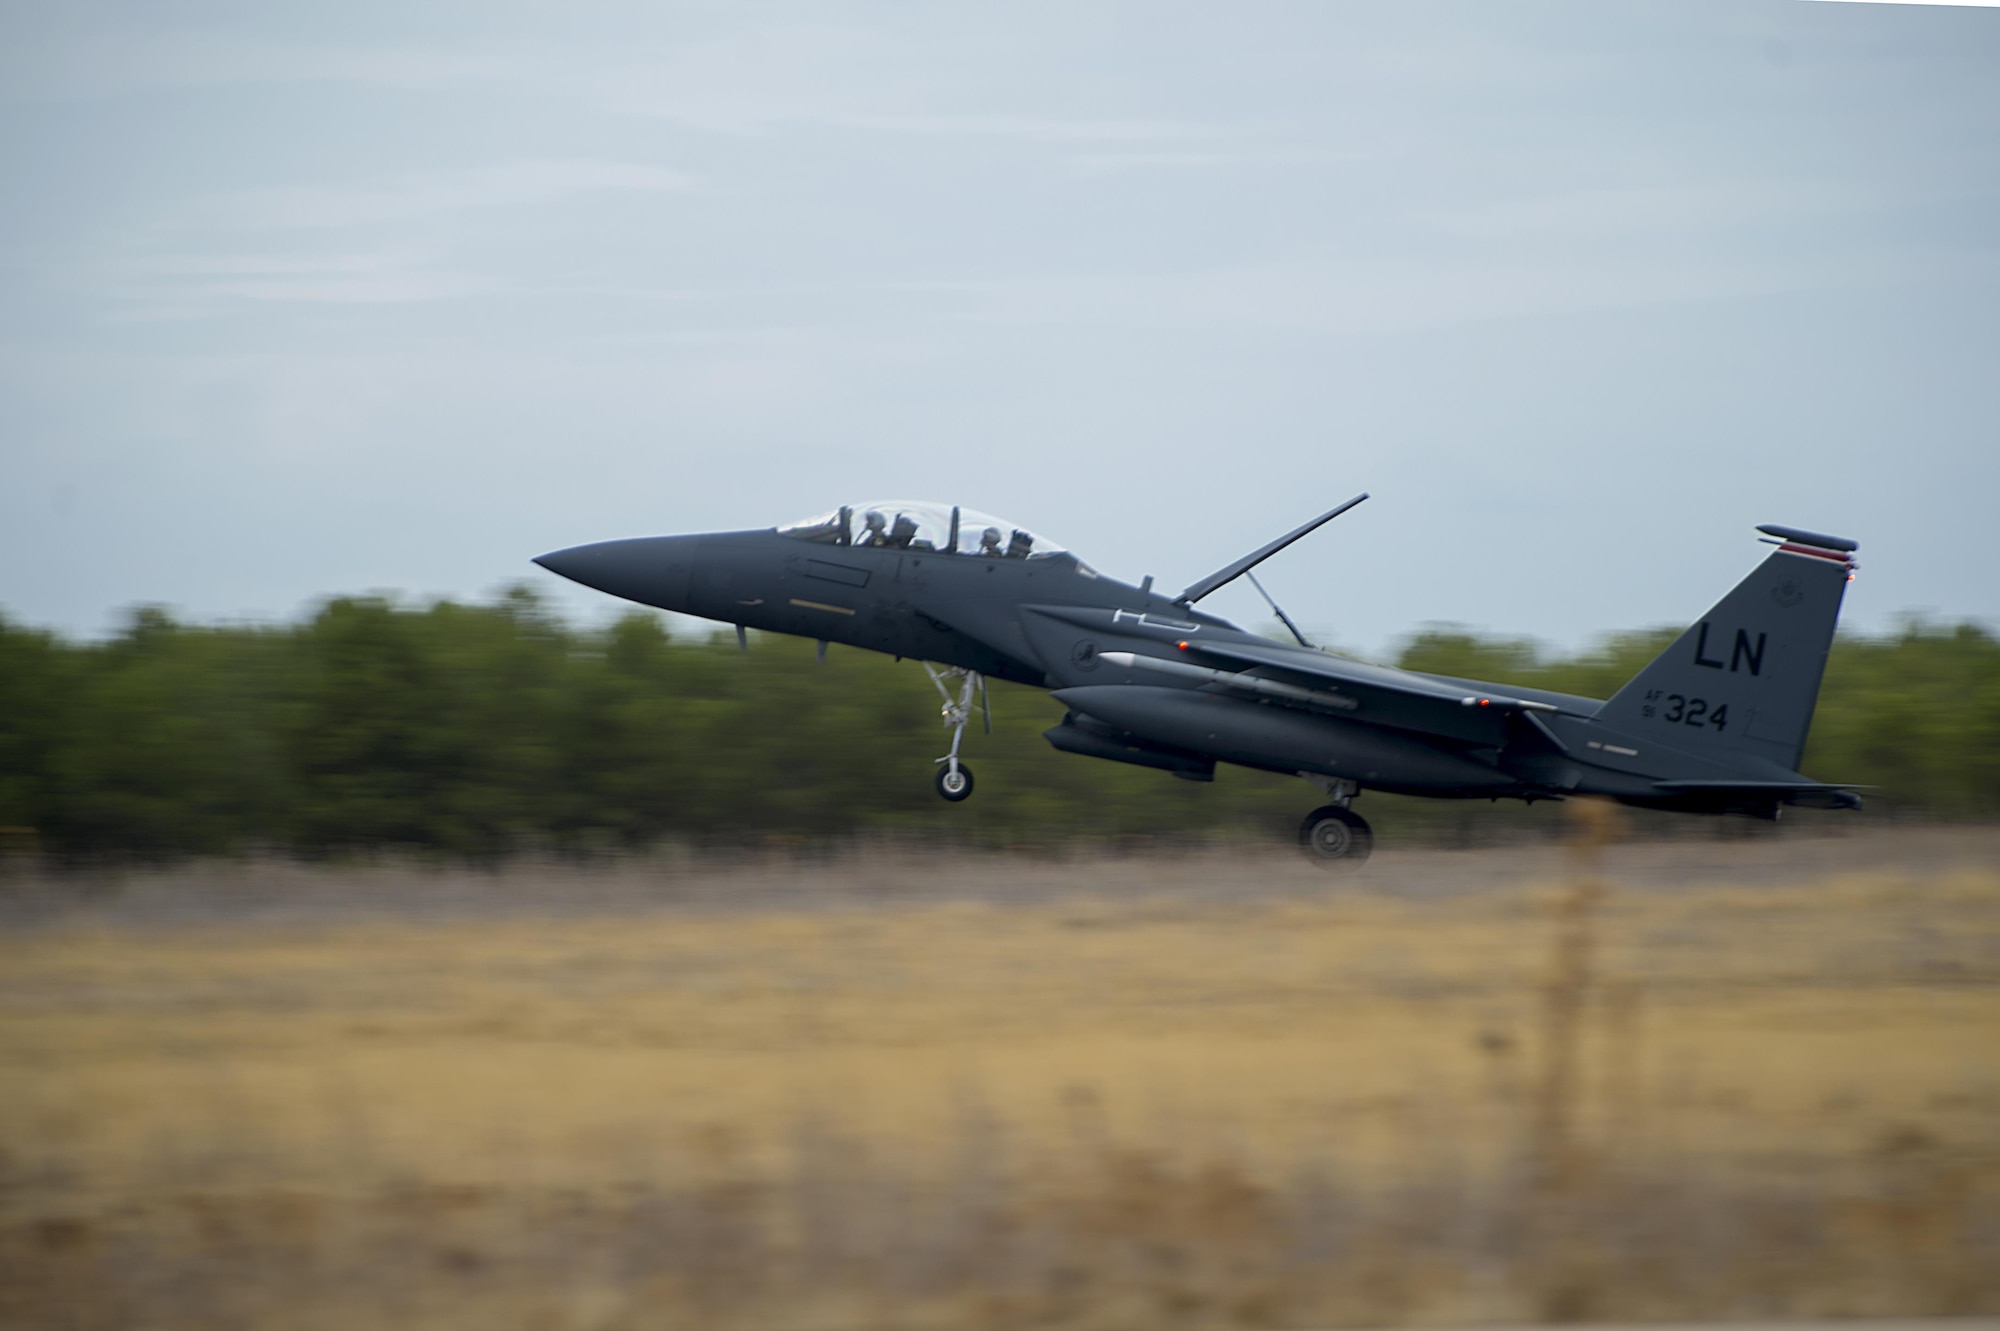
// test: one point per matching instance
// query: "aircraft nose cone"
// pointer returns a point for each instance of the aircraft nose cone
(653, 570)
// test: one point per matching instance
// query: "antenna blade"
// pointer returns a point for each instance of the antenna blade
(1276, 609)
(1223, 576)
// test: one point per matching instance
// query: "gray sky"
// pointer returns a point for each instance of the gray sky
(376, 296)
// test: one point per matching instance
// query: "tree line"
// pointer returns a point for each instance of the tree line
(479, 731)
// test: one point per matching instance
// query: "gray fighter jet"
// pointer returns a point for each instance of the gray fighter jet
(1715, 724)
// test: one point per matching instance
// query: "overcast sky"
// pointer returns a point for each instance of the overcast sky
(315, 299)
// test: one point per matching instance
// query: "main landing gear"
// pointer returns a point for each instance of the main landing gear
(1334, 836)
(954, 778)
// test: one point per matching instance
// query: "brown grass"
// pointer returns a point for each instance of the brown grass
(1213, 1090)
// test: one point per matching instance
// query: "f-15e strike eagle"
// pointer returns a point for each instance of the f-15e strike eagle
(1715, 724)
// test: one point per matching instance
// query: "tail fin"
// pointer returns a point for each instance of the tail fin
(1743, 679)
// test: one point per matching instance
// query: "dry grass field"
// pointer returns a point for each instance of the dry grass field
(1736, 1077)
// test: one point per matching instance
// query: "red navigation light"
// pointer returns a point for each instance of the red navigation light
(1182, 644)
(1485, 702)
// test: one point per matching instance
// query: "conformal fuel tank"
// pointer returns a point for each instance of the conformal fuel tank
(1285, 739)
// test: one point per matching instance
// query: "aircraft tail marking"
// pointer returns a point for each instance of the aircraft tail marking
(1744, 678)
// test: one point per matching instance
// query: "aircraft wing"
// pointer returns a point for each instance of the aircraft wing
(1381, 695)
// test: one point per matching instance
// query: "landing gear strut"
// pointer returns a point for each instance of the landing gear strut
(954, 778)
(1334, 836)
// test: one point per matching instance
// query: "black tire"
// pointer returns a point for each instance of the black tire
(961, 790)
(1336, 838)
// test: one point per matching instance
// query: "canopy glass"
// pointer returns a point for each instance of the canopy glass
(916, 524)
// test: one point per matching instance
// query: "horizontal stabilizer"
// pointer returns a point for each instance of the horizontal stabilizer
(1810, 794)
(1756, 785)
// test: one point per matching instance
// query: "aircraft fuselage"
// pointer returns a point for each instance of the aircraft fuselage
(1156, 682)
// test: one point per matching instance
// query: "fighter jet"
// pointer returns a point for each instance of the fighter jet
(1715, 724)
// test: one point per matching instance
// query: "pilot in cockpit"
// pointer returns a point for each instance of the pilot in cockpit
(989, 543)
(877, 525)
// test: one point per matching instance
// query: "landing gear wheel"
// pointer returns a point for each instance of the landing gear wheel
(955, 785)
(1336, 838)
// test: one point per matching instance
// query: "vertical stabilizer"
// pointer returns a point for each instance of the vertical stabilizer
(1744, 677)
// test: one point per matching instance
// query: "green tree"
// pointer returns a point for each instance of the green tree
(476, 731)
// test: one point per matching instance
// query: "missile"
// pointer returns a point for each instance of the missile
(1231, 679)
(1272, 688)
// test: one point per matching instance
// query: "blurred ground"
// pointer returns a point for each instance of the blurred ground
(1750, 1077)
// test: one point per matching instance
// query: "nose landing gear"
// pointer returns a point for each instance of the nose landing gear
(954, 778)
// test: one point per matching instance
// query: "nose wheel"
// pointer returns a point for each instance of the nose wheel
(954, 778)
(955, 783)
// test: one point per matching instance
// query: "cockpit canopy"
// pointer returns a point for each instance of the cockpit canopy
(906, 524)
